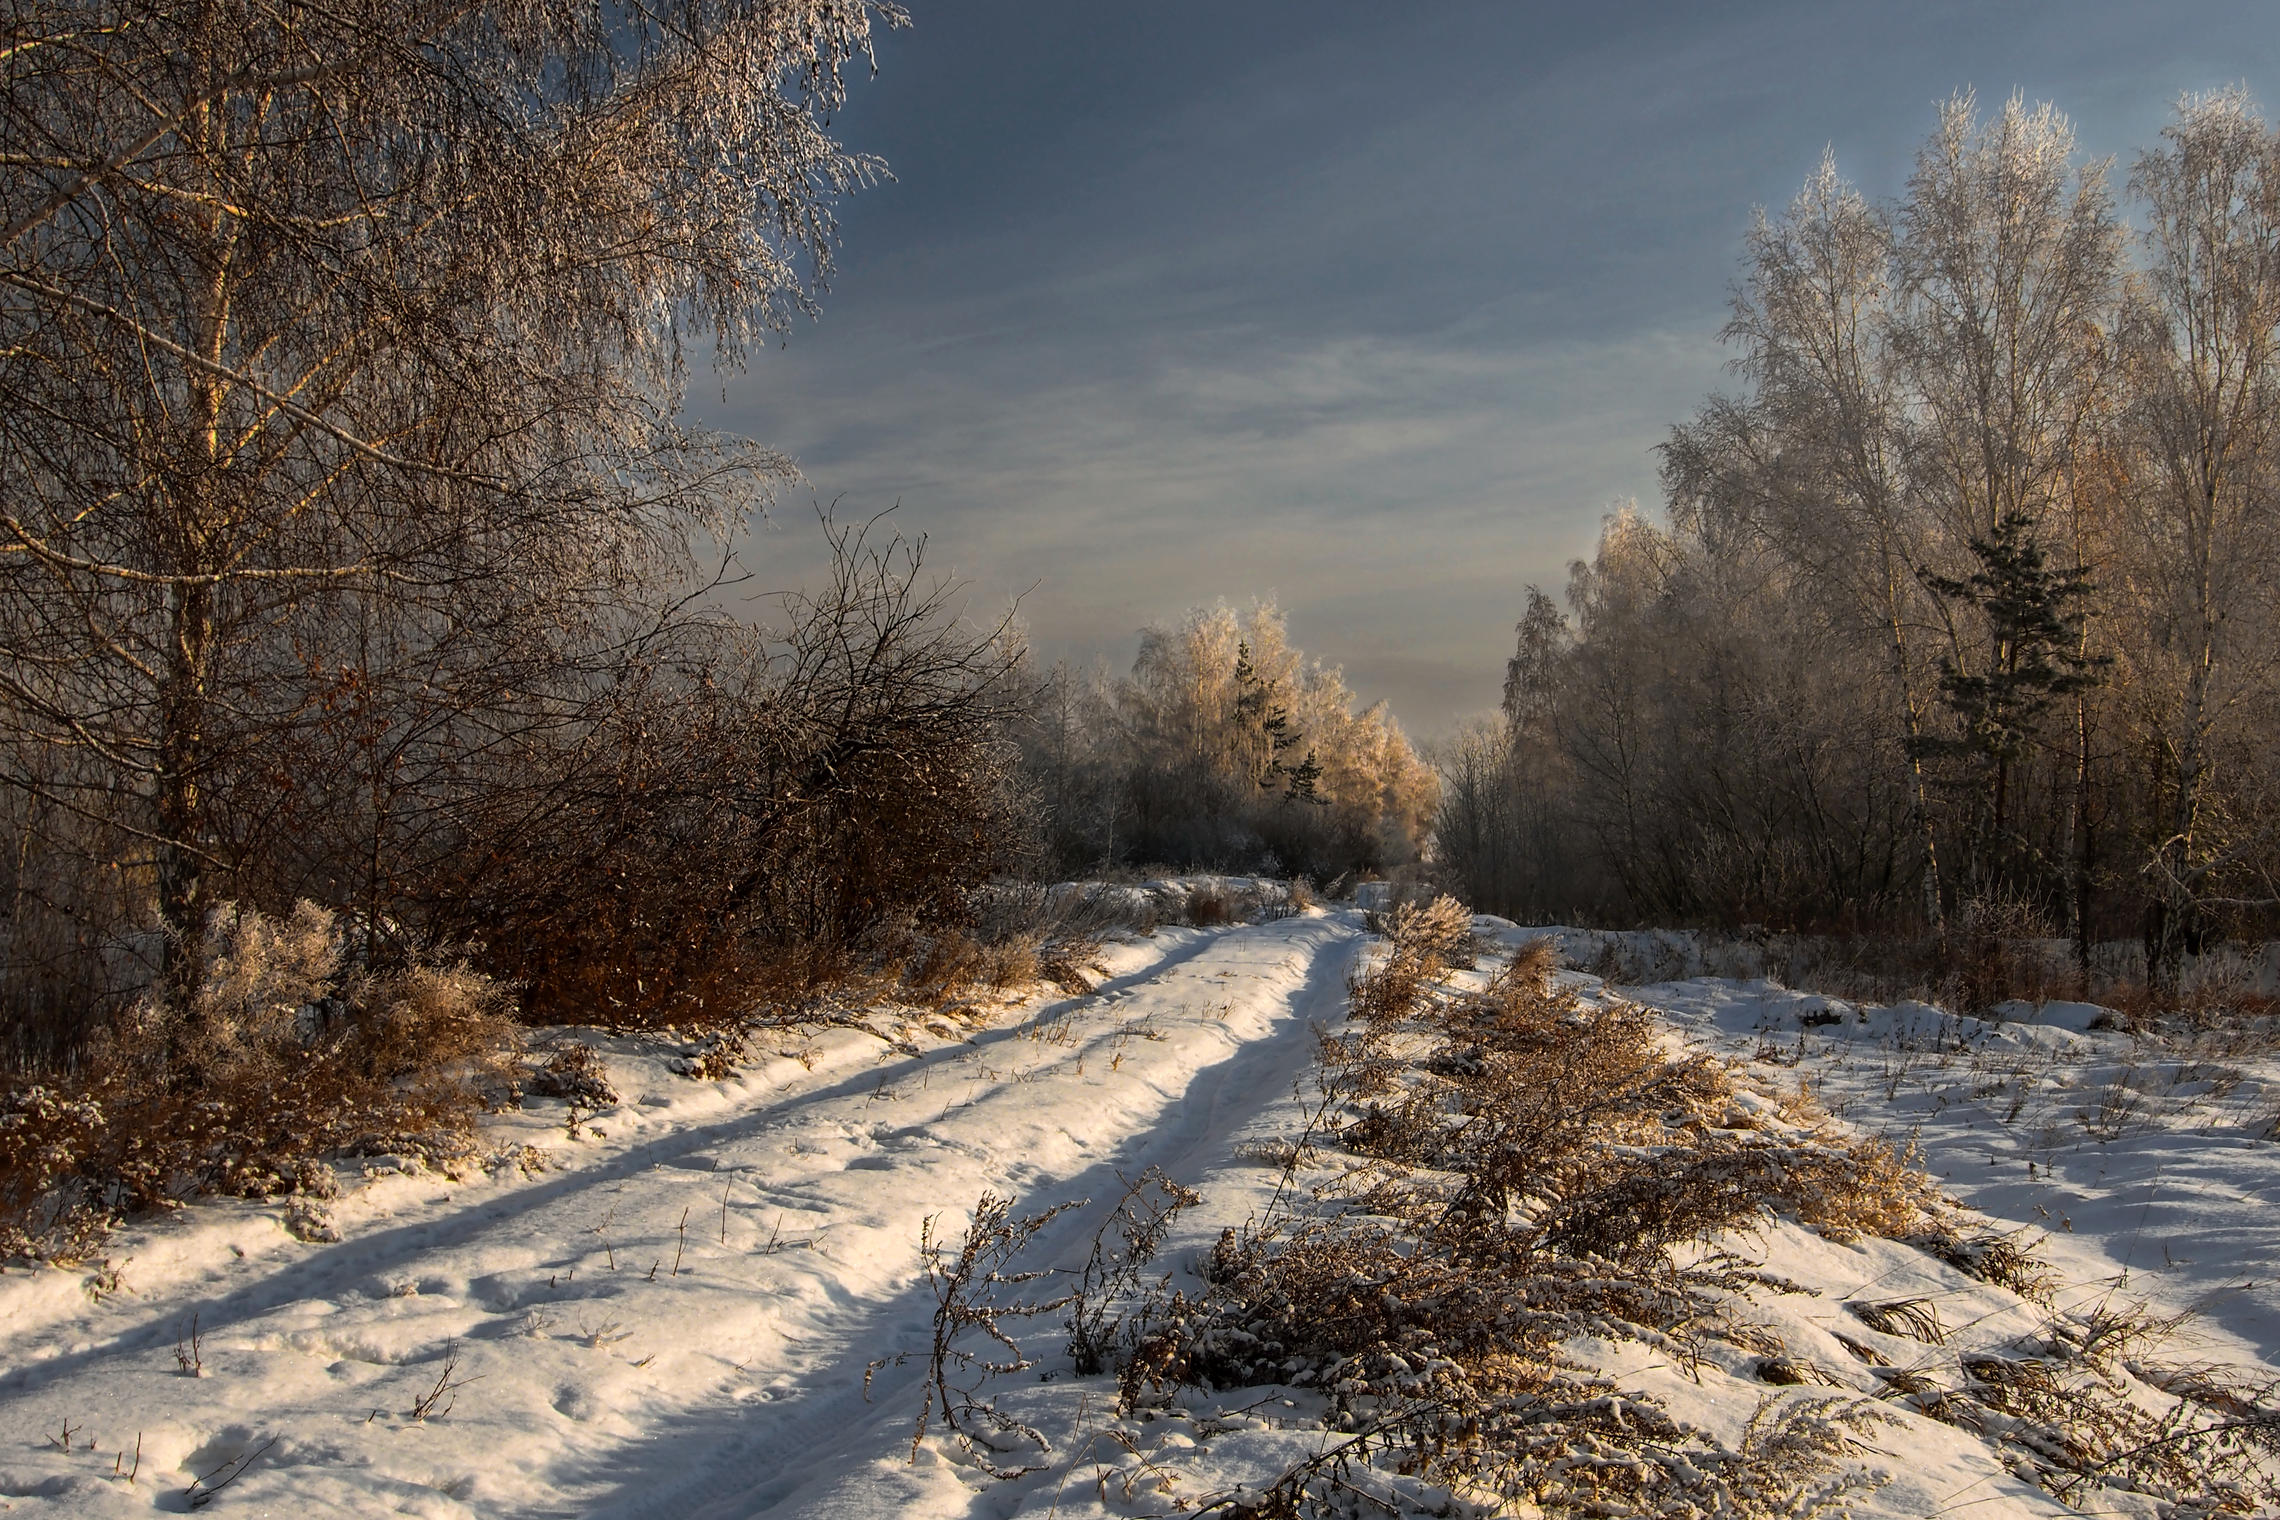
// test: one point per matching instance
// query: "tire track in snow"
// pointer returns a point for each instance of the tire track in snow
(401, 1246)
(822, 1455)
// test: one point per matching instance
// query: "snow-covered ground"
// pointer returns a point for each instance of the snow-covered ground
(2146, 1169)
(674, 1313)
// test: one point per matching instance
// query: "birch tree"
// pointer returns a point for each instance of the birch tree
(318, 319)
(2205, 346)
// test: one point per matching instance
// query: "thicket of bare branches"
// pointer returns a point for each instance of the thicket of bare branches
(357, 563)
(767, 808)
(1225, 748)
(1965, 618)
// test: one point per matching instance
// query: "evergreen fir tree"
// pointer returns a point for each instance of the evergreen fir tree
(1269, 735)
(2033, 619)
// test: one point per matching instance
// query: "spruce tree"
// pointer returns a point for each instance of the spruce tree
(2033, 617)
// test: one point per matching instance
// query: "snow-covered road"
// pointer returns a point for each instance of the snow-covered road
(673, 1319)
(674, 1316)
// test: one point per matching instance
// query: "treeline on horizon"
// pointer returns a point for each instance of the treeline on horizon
(1226, 748)
(1961, 614)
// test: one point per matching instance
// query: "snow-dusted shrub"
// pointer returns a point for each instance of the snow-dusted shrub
(1578, 1116)
(978, 1296)
(1210, 906)
(2088, 1407)
(1210, 901)
(955, 963)
(1055, 933)
(1108, 1308)
(1530, 1168)
(262, 991)
(577, 1075)
(1097, 909)
(280, 1057)
(1423, 944)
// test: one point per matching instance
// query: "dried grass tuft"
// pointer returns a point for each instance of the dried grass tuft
(280, 1058)
(1915, 1319)
(1527, 1168)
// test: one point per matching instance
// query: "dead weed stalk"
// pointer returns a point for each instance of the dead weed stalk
(971, 1283)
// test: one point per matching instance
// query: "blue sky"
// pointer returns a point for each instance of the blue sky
(1373, 309)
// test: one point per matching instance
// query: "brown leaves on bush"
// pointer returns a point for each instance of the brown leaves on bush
(281, 1057)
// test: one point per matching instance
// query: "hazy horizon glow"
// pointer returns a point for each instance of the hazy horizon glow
(1372, 313)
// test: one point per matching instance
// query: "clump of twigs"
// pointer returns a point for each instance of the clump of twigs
(1114, 1275)
(444, 1392)
(189, 1350)
(976, 1290)
(203, 1488)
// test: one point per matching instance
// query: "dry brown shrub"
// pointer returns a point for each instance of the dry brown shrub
(955, 965)
(1529, 1165)
(1208, 907)
(1452, 1367)
(1438, 932)
(1578, 1116)
(281, 1057)
(1070, 964)
(951, 962)
(1012, 936)
(1011, 964)
(1423, 945)
(1854, 1187)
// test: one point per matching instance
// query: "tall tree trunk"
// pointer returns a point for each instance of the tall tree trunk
(2085, 858)
(2173, 859)
(186, 695)
(182, 821)
(1919, 794)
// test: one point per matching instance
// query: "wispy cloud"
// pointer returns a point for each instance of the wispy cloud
(1373, 310)
(1394, 494)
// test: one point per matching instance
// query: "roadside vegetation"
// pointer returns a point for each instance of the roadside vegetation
(1521, 1243)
